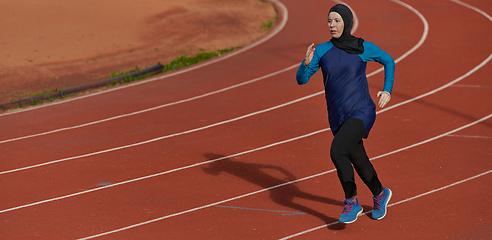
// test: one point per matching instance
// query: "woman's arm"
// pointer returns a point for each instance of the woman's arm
(309, 66)
(374, 53)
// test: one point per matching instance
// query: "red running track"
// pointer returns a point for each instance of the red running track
(187, 157)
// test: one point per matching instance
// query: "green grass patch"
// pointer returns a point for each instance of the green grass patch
(177, 63)
(128, 78)
(268, 25)
(185, 61)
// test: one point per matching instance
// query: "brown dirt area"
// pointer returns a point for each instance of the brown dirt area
(57, 44)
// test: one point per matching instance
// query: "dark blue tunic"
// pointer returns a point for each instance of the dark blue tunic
(344, 76)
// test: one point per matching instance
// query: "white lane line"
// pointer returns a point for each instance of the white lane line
(280, 185)
(472, 86)
(434, 138)
(470, 136)
(473, 8)
(424, 36)
(280, 7)
(422, 39)
(393, 204)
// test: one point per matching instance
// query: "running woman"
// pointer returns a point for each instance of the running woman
(351, 111)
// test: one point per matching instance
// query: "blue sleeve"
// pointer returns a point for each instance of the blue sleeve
(304, 73)
(375, 54)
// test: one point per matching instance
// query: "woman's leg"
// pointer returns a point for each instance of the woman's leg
(347, 149)
(349, 134)
(365, 169)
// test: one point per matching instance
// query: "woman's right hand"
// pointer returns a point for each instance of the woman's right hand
(309, 54)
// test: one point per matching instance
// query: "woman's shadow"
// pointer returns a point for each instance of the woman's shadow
(283, 195)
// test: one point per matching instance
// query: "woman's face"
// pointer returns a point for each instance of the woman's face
(335, 24)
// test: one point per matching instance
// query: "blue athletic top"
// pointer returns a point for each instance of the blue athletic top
(346, 87)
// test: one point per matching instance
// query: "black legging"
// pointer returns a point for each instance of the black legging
(347, 149)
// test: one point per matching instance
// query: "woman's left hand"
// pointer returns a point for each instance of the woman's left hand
(385, 98)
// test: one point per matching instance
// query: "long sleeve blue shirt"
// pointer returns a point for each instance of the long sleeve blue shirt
(344, 76)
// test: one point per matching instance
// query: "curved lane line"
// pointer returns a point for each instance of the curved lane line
(274, 32)
(422, 39)
(280, 185)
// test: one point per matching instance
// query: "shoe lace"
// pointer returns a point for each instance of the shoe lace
(347, 208)
(377, 204)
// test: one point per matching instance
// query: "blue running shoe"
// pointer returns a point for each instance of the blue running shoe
(380, 204)
(350, 212)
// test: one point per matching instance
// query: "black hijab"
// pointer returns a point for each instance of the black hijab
(346, 41)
